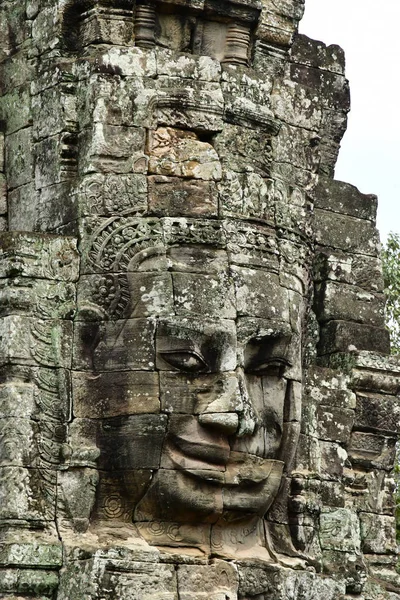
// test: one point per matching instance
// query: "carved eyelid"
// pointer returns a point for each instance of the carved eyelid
(181, 351)
(268, 352)
(264, 365)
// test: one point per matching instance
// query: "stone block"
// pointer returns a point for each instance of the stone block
(297, 146)
(198, 259)
(246, 195)
(17, 442)
(24, 549)
(240, 152)
(190, 105)
(201, 68)
(17, 399)
(131, 442)
(73, 507)
(19, 158)
(299, 106)
(206, 295)
(334, 424)
(143, 579)
(376, 381)
(45, 299)
(141, 294)
(371, 491)
(340, 530)
(344, 336)
(56, 207)
(319, 55)
(378, 533)
(345, 199)
(37, 255)
(30, 341)
(259, 294)
(110, 244)
(16, 110)
(128, 62)
(107, 27)
(179, 153)
(175, 497)
(25, 494)
(349, 564)
(104, 395)
(341, 302)
(359, 270)
(330, 388)
(332, 87)
(191, 394)
(16, 583)
(325, 459)
(215, 582)
(22, 207)
(55, 159)
(378, 413)
(54, 111)
(113, 149)
(118, 493)
(369, 450)
(346, 233)
(108, 100)
(82, 451)
(151, 294)
(122, 345)
(172, 196)
(210, 343)
(106, 195)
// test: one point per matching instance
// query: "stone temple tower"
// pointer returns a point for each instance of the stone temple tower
(197, 400)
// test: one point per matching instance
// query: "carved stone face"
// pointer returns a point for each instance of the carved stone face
(211, 352)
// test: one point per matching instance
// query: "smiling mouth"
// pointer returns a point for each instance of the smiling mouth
(214, 454)
(232, 470)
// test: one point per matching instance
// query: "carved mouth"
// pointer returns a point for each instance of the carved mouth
(214, 454)
(235, 470)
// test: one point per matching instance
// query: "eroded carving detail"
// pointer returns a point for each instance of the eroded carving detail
(198, 404)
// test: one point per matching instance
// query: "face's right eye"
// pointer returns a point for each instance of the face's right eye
(187, 361)
(272, 368)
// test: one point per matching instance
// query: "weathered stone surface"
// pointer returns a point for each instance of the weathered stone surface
(348, 303)
(344, 336)
(377, 534)
(362, 271)
(345, 233)
(195, 400)
(172, 196)
(344, 199)
(118, 393)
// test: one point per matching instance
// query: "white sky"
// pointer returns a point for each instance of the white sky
(368, 31)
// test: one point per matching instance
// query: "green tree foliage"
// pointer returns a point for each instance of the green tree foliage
(391, 276)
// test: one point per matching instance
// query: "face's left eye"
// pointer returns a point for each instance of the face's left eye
(187, 361)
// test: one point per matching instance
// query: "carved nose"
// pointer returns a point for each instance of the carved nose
(222, 413)
(227, 423)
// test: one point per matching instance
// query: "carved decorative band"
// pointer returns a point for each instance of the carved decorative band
(237, 44)
(145, 22)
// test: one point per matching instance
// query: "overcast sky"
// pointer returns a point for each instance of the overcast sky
(368, 31)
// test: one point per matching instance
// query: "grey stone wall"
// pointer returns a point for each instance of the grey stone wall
(197, 399)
